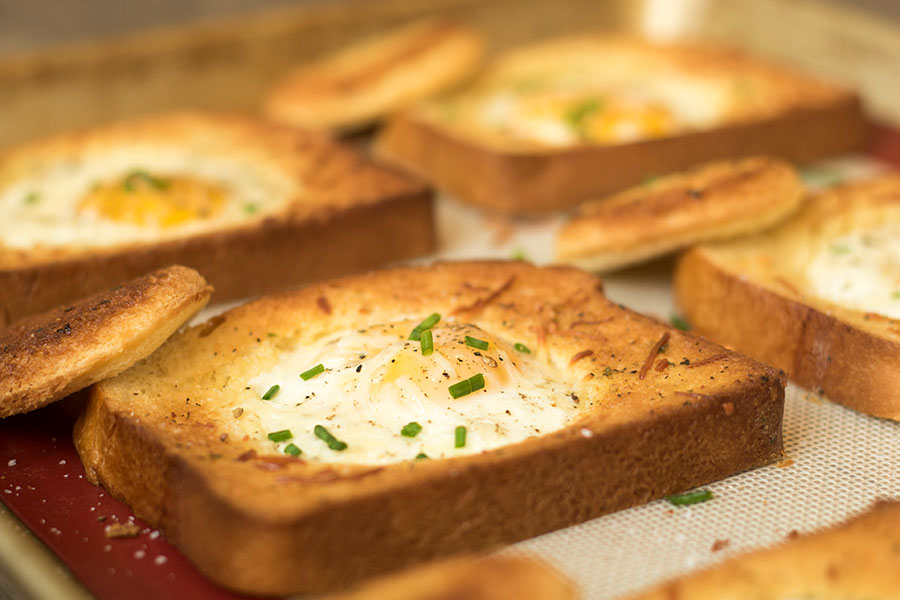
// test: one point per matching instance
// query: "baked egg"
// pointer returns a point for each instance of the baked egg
(375, 396)
(139, 193)
(860, 270)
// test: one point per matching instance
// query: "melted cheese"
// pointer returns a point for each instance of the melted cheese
(88, 202)
(860, 270)
(376, 381)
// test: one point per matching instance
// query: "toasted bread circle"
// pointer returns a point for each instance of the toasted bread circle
(253, 206)
(492, 578)
(184, 437)
(856, 559)
(368, 80)
(47, 357)
(551, 125)
(715, 201)
(819, 296)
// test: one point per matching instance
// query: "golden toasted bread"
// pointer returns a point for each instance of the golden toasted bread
(714, 201)
(563, 121)
(49, 356)
(310, 439)
(253, 206)
(856, 559)
(491, 578)
(368, 80)
(819, 296)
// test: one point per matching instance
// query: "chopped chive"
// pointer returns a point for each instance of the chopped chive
(421, 455)
(292, 450)
(411, 429)
(429, 322)
(476, 343)
(840, 248)
(32, 198)
(134, 177)
(427, 341)
(519, 254)
(250, 208)
(896, 295)
(272, 392)
(649, 179)
(522, 348)
(280, 436)
(680, 323)
(579, 113)
(325, 436)
(688, 498)
(270, 334)
(467, 386)
(460, 437)
(307, 375)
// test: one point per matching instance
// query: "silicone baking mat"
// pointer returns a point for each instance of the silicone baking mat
(838, 462)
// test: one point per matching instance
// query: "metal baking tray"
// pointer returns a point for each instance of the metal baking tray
(838, 462)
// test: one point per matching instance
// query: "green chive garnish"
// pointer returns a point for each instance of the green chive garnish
(280, 436)
(519, 254)
(132, 179)
(460, 437)
(840, 248)
(680, 323)
(688, 498)
(428, 323)
(476, 343)
(250, 208)
(307, 375)
(292, 450)
(579, 113)
(271, 393)
(329, 439)
(421, 455)
(411, 429)
(896, 295)
(467, 386)
(32, 198)
(522, 348)
(427, 341)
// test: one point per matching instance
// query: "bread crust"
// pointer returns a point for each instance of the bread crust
(489, 578)
(808, 121)
(249, 520)
(750, 296)
(712, 202)
(49, 356)
(855, 559)
(345, 215)
(368, 80)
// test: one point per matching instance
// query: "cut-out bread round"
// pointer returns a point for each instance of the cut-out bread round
(656, 411)
(49, 356)
(715, 201)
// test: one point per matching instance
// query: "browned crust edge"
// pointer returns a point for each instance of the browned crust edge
(818, 351)
(465, 507)
(276, 255)
(558, 179)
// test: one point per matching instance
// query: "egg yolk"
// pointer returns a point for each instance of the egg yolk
(143, 199)
(452, 360)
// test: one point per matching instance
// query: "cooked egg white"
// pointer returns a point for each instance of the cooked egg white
(134, 193)
(376, 381)
(860, 270)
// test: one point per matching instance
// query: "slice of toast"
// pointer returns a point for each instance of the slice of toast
(370, 79)
(563, 121)
(254, 207)
(304, 441)
(490, 578)
(47, 357)
(715, 201)
(856, 559)
(819, 296)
